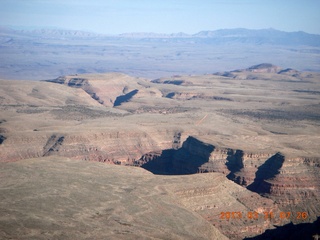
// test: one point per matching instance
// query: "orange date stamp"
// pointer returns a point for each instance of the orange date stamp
(265, 215)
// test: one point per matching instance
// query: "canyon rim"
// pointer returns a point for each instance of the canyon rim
(114, 156)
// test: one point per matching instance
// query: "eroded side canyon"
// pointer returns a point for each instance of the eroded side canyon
(254, 129)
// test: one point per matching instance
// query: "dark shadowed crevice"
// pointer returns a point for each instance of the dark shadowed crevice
(170, 95)
(96, 97)
(291, 231)
(185, 160)
(174, 82)
(78, 82)
(2, 138)
(177, 82)
(266, 171)
(161, 164)
(124, 98)
(194, 154)
(53, 145)
(235, 164)
(175, 162)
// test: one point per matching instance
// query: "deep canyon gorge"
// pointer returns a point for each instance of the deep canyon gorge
(241, 141)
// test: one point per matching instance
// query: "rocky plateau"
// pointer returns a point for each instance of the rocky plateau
(241, 141)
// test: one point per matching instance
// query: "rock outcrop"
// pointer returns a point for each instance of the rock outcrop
(123, 147)
(77, 82)
(174, 82)
(270, 175)
(53, 145)
(292, 231)
(2, 138)
(264, 68)
(261, 71)
(57, 198)
(109, 90)
(266, 139)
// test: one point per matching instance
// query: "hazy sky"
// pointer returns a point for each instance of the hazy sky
(162, 16)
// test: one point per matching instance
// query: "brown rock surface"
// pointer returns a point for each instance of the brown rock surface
(260, 131)
(291, 183)
(56, 198)
(69, 199)
(264, 68)
(107, 88)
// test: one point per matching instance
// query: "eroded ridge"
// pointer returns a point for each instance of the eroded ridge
(289, 182)
(53, 145)
(258, 128)
(78, 82)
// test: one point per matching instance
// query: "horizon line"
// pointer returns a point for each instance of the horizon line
(34, 28)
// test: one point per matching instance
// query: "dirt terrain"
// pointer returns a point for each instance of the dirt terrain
(56, 198)
(254, 133)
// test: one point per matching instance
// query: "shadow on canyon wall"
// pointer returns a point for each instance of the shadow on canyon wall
(180, 161)
(194, 154)
(267, 170)
(2, 138)
(290, 231)
(124, 98)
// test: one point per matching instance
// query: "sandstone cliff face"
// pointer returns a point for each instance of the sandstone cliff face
(212, 199)
(265, 139)
(112, 146)
(289, 182)
(272, 176)
(185, 160)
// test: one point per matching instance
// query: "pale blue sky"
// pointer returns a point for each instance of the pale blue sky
(162, 16)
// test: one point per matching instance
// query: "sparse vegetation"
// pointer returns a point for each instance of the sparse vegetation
(81, 113)
(240, 122)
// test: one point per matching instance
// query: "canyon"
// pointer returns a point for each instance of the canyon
(189, 146)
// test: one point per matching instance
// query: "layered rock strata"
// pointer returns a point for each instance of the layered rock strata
(289, 182)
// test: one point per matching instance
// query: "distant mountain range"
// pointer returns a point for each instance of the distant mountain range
(237, 35)
(240, 35)
(48, 53)
(47, 33)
